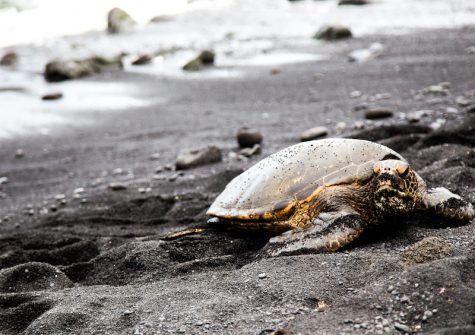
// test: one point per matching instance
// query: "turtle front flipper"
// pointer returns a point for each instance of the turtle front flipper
(441, 202)
(339, 229)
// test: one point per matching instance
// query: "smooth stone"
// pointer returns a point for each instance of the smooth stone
(402, 327)
(331, 33)
(313, 133)
(115, 186)
(248, 152)
(470, 109)
(378, 113)
(204, 59)
(143, 60)
(248, 137)
(197, 157)
(52, 96)
(161, 18)
(19, 153)
(353, 2)
(364, 55)
(462, 101)
(60, 70)
(33, 276)
(118, 21)
(9, 59)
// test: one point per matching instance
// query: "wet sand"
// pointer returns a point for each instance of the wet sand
(113, 275)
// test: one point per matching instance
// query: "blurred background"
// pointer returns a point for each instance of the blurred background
(169, 33)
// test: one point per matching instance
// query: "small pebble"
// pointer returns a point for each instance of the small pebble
(248, 137)
(378, 113)
(3, 180)
(19, 153)
(313, 133)
(355, 94)
(52, 96)
(117, 186)
(262, 275)
(117, 171)
(142, 60)
(358, 125)
(155, 156)
(402, 327)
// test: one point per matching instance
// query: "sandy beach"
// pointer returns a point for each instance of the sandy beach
(84, 205)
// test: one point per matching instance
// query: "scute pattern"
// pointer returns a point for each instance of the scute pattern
(294, 174)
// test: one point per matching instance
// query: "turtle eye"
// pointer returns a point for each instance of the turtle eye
(376, 169)
(402, 170)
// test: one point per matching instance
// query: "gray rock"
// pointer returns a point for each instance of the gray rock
(470, 109)
(60, 70)
(331, 33)
(9, 59)
(204, 59)
(143, 60)
(353, 2)
(313, 133)
(33, 276)
(463, 101)
(119, 21)
(248, 152)
(364, 55)
(20, 153)
(401, 327)
(248, 137)
(378, 113)
(52, 96)
(197, 157)
(161, 18)
(116, 186)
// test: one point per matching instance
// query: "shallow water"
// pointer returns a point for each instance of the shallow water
(243, 33)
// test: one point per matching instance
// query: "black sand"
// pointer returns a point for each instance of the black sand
(100, 268)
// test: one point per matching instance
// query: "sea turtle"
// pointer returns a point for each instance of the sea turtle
(323, 194)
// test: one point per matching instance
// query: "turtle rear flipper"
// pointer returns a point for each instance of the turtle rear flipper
(341, 228)
(441, 202)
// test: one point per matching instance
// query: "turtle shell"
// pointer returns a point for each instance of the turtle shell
(274, 186)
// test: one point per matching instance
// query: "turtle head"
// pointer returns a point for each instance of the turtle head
(395, 187)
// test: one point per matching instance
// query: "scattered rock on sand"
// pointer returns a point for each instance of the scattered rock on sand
(60, 70)
(248, 137)
(52, 96)
(143, 59)
(119, 21)
(313, 133)
(9, 59)
(197, 157)
(364, 55)
(331, 33)
(426, 250)
(33, 276)
(378, 113)
(204, 59)
(353, 2)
